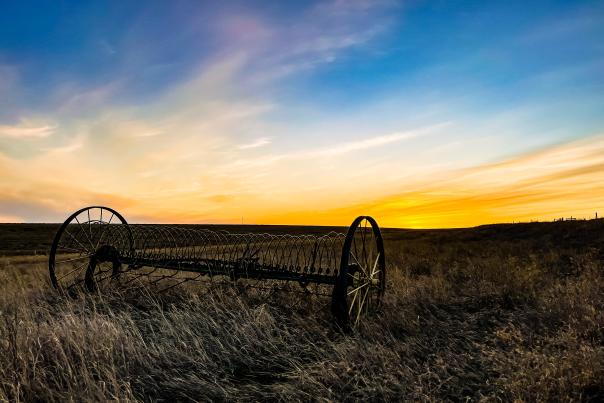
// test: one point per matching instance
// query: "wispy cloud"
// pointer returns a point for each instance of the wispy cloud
(26, 130)
(373, 142)
(335, 150)
(256, 143)
(318, 35)
(74, 145)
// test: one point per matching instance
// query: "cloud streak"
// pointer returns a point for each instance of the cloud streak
(336, 150)
(373, 142)
(262, 141)
(26, 130)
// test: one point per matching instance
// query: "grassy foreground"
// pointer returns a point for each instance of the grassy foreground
(492, 313)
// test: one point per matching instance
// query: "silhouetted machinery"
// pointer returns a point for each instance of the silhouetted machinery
(95, 248)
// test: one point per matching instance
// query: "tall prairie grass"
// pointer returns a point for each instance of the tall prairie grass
(488, 320)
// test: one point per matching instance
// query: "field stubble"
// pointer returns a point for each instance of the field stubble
(466, 315)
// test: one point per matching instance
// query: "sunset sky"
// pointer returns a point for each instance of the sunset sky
(420, 113)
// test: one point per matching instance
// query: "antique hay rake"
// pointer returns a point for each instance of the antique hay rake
(96, 247)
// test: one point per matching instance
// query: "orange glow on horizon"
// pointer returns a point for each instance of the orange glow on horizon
(560, 181)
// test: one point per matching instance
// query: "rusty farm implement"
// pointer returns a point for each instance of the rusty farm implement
(95, 247)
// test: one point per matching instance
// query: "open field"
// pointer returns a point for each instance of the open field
(496, 312)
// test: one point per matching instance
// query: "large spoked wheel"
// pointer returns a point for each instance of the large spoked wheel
(361, 281)
(86, 249)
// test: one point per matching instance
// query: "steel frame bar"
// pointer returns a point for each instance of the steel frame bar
(213, 267)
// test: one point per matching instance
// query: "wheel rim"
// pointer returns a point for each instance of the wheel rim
(77, 242)
(362, 278)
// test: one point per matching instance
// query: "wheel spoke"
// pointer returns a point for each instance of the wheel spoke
(358, 288)
(105, 228)
(358, 263)
(98, 241)
(75, 239)
(73, 271)
(73, 259)
(361, 305)
(82, 230)
(373, 272)
(352, 303)
(89, 227)
(358, 308)
(363, 236)
(61, 247)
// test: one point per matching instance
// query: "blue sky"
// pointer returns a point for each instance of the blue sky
(172, 105)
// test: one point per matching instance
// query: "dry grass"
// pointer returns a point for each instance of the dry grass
(487, 320)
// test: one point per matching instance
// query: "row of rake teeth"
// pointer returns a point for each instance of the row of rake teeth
(292, 253)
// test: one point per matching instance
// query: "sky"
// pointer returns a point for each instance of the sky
(423, 114)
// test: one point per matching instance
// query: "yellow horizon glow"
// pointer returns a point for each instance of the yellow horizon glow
(559, 181)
